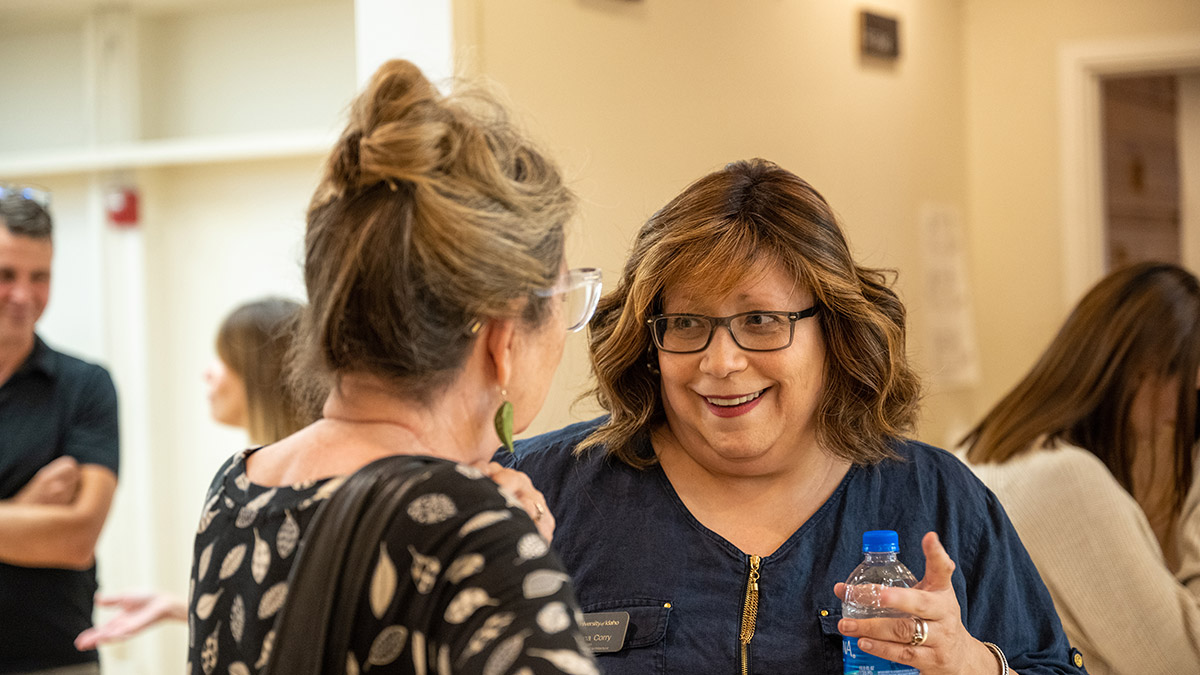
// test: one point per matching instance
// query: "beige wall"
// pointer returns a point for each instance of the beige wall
(1189, 167)
(1012, 52)
(637, 99)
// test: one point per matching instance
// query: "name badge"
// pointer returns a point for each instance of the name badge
(605, 631)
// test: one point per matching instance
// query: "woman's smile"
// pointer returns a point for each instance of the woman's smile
(734, 406)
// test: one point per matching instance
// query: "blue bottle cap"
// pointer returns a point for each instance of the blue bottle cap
(879, 541)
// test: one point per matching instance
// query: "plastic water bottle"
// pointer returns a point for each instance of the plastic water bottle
(879, 568)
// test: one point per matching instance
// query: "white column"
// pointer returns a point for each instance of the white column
(126, 554)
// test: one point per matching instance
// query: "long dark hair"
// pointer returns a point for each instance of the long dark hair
(1140, 323)
(255, 342)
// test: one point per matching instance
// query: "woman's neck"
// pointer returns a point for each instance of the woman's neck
(757, 513)
(449, 424)
(365, 418)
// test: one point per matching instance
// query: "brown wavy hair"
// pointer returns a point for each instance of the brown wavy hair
(255, 342)
(717, 231)
(434, 213)
(1139, 322)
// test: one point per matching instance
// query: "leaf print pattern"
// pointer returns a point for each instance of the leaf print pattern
(425, 570)
(432, 509)
(262, 500)
(483, 520)
(466, 603)
(233, 560)
(208, 657)
(207, 602)
(237, 619)
(531, 547)
(505, 655)
(272, 600)
(383, 583)
(265, 654)
(206, 520)
(249, 512)
(288, 537)
(553, 618)
(323, 492)
(420, 662)
(261, 559)
(467, 565)
(212, 502)
(541, 583)
(387, 645)
(248, 544)
(205, 558)
(491, 629)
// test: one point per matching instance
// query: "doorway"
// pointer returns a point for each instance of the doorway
(1142, 203)
(1083, 69)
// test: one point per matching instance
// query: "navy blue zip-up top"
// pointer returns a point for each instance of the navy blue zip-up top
(631, 545)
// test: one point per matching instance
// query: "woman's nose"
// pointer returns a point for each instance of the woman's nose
(723, 356)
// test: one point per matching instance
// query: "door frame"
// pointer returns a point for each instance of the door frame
(1081, 67)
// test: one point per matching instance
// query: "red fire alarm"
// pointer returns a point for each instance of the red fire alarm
(122, 207)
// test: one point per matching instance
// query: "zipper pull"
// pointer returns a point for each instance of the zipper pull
(750, 607)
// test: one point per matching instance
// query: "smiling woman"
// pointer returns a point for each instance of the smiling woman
(758, 392)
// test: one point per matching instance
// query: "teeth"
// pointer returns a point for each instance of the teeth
(730, 402)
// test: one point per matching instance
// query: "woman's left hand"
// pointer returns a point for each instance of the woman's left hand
(948, 649)
(521, 488)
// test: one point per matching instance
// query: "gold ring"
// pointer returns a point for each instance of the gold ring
(920, 631)
(540, 511)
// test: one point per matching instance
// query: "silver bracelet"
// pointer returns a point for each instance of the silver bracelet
(999, 657)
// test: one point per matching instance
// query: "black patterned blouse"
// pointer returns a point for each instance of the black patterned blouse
(463, 582)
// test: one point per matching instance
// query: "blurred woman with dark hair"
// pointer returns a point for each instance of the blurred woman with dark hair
(1093, 454)
(247, 388)
(253, 345)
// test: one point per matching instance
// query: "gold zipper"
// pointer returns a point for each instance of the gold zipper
(749, 613)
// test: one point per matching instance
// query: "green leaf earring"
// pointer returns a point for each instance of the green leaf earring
(504, 422)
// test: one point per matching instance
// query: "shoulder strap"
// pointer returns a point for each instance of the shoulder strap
(312, 630)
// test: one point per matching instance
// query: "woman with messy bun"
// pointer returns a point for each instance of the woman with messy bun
(439, 301)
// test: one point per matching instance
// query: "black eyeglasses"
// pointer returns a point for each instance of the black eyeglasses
(752, 331)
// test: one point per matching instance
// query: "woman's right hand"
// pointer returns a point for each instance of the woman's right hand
(139, 611)
(947, 648)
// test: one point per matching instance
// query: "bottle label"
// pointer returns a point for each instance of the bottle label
(857, 662)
